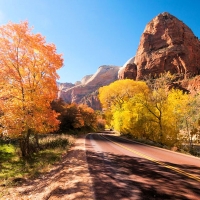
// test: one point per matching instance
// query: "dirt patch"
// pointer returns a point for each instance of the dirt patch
(70, 179)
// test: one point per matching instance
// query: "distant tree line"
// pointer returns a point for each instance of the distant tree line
(77, 117)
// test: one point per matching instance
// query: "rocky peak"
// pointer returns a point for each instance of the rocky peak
(104, 75)
(85, 91)
(85, 79)
(129, 70)
(64, 86)
(167, 44)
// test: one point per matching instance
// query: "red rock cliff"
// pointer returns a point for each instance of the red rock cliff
(166, 44)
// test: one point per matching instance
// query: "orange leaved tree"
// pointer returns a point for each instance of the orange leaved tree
(27, 83)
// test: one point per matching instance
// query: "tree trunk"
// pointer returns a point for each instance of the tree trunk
(37, 142)
(25, 145)
(161, 130)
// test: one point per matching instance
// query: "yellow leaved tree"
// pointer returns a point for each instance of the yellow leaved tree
(116, 96)
(27, 83)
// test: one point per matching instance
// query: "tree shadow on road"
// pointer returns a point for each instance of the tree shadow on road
(114, 177)
(125, 177)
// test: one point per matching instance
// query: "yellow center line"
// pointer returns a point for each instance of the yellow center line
(153, 160)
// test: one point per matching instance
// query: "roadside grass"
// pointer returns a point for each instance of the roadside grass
(14, 170)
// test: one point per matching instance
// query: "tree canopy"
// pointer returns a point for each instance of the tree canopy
(151, 112)
(27, 81)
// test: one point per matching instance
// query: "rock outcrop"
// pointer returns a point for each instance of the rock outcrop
(166, 44)
(129, 70)
(92, 100)
(85, 79)
(86, 90)
(192, 85)
(64, 86)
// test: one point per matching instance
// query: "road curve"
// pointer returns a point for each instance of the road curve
(122, 169)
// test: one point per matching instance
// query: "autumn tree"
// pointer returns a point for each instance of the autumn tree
(67, 114)
(113, 98)
(156, 105)
(73, 116)
(100, 120)
(156, 112)
(189, 119)
(27, 83)
(119, 91)
(89, 117)
(152, 112)
(135, 118)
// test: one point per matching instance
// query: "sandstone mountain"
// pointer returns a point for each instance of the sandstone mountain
(166, 44)
(129, 70)
(64, 86)
(86, 90)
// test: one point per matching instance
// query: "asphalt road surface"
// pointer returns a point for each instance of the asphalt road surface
(122, 169)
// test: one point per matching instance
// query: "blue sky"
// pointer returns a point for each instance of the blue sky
(91, 33)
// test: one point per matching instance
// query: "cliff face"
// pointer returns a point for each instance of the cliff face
(192, 85)
(64, 86)
(92, 100)
(129, 70)
(166, 44)
(85, 91)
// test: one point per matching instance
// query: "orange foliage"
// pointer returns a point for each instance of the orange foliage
(27, 81)
(73, 116)
(88, 115)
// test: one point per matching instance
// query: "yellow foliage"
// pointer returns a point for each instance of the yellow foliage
(115, 99)
(157, 114)
(115, 94)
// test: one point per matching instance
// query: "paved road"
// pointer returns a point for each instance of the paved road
(122, 169)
